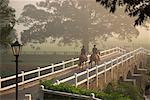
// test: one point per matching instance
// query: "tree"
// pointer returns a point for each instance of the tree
(136, 8)
(7, 22)
(73, 20)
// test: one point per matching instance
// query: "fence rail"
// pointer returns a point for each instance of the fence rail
(52, 69)
(51, 52)
(106, 66)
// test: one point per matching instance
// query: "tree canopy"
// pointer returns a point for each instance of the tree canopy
(7, 22)
(140, 9)
(73, 20)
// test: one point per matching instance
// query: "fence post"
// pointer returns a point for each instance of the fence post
(93, 95)
(63, 64)
(38, 71)
(110, 51)
(117, 61)
(130, 60)
(131, 53)
(87, 78)
(104, 53)
(121, 50)
(121, 61)
(146, 59)
(124, 51)
(73, 62)
(22, 72)
(57, 82)
(52, 67)
(105, 72)
(76, 81)
(0, 83)
(137, 60)
(142, 58)
(28, 96)
(127, 63)
(135, 56)
(118, 49)
(96, 76)
(117, 67)
(111, 69)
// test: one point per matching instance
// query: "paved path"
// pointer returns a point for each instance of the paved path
(36, 91)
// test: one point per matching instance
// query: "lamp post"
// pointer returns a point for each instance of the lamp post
(16, 49)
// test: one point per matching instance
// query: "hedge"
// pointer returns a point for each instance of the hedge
(63, 87)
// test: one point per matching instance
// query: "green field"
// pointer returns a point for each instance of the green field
(29, 62)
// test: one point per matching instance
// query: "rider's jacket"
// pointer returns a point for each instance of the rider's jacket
(94, 50)
(83, 51)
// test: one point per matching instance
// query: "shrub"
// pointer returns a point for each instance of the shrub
(72, 89)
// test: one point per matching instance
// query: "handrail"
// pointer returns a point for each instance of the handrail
(38, 70)
(128, 56)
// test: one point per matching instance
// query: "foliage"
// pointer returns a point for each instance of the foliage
(72, 21)
(7, 22)
(72, 89)
(125, 89)
(136, 8)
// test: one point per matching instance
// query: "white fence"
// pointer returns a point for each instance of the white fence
(37, 73)
(100, 69)
(51, 52)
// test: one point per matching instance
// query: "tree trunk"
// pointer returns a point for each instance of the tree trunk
(86, 45)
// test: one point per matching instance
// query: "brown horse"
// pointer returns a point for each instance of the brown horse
(82, 60)
(95, 58)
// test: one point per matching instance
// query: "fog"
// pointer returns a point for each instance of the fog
(143, 39)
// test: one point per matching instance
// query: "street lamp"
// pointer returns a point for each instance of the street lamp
(16, 49)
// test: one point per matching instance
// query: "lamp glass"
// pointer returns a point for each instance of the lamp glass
(16, 48)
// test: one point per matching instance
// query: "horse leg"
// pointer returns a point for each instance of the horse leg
(83, 65)
(80, 64)
(91, 64)
(96, 63)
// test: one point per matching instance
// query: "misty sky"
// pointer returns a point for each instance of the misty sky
(143, 38)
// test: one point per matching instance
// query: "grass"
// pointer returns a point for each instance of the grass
(29, 62)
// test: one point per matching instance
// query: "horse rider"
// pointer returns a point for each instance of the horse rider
(94, 50)
(83, 57)
(83, 51)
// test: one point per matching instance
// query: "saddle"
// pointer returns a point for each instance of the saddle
(84, 57)
(95, 56)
